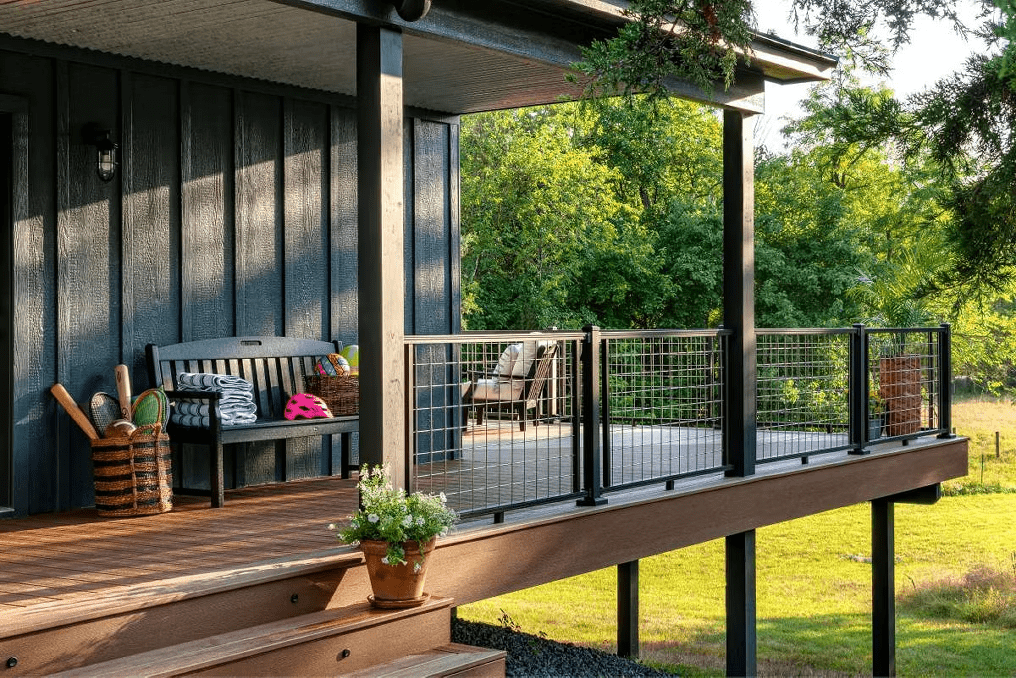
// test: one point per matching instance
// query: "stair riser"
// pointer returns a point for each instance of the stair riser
(81, 644)
(366, 647)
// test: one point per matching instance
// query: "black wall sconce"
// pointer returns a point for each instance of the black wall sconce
(106, 151)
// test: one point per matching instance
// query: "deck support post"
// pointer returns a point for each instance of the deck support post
(883, 588)
(381, 276)
(628, 609)
(740, 596)
(740, 411)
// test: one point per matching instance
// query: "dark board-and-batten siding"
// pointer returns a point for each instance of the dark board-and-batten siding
(233, 213)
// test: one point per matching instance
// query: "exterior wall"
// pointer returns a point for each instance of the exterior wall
(233, 213)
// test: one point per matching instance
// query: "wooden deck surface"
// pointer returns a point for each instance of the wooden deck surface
(66, 556)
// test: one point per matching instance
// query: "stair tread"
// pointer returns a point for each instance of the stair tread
(441, 661)
(213, 650)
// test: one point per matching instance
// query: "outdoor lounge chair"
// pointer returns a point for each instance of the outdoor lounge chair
(516, 383)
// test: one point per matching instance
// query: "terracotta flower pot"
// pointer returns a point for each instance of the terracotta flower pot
(397, 585)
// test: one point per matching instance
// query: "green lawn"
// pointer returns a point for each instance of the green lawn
(814, 594)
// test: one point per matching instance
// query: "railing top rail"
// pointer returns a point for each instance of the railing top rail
(646, 334)
(509, 337)
(903, 330)
(804, 330)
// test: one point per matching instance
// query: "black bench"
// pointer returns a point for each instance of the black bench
(276, 366)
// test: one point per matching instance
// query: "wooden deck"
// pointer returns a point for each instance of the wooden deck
(50, 560)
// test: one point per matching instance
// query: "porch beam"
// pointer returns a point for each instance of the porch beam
(381, 276)
(628, 609)
(883, 588)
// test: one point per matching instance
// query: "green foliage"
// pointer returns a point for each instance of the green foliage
(689, 40)
(390, 515)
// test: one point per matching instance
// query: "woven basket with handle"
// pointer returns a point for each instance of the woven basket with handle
(341, 394)
(133, 474)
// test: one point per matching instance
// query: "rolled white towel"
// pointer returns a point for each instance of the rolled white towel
(205, 381)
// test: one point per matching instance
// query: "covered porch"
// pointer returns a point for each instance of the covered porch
(291, 168)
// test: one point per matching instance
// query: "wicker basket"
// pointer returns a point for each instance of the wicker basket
(133, 475)
(341, 394)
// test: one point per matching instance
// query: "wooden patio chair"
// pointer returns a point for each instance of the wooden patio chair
(517, 390)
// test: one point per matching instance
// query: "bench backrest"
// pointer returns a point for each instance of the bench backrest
(275, 365)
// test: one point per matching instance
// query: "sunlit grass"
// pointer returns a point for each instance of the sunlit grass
(814, 596)
(978, 420)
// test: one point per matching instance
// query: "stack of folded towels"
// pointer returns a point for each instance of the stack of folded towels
(236, 402)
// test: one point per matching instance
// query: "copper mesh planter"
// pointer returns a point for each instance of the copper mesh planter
(900, 390)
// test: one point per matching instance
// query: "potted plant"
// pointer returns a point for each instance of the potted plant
(395, 531)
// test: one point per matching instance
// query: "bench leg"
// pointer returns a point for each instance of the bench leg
(215, 477)
(347, 453)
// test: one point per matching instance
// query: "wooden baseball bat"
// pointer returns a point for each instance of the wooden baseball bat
(123, 390)
(77, 414)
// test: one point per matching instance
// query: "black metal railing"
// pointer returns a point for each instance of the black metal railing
(508, 420)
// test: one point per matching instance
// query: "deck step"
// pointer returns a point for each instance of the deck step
(453, 659)
(330, 642)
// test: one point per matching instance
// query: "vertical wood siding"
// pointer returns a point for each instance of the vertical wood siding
(233, 213)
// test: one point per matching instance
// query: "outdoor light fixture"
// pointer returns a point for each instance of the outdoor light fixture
(105, 148)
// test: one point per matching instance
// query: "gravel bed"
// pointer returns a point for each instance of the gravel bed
(530, 656)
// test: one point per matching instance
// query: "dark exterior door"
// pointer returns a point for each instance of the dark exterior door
(6, 313)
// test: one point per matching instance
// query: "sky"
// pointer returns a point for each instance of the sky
(935, 51)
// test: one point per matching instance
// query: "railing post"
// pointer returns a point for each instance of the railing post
(857, 390)
(591, 417)
(945, 381)
(604, 417)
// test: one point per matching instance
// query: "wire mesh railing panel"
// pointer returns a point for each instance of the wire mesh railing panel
(494, 419)
(802, 392)
(662, 405)
(904, 382)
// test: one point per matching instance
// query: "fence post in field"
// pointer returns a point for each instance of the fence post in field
(857, 391)
(591, 417)
(945, 381)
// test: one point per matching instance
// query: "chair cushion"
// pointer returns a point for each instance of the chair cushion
(497, 390)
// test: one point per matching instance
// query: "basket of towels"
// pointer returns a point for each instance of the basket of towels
(236, 400)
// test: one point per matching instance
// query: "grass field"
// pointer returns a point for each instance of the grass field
(814, 590)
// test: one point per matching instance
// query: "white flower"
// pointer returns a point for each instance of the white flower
(416, 567)
(443, 532)
(407, 521)
(332, 526)
(373, 518)
(443, 497)
(420, 521)
(385, 560)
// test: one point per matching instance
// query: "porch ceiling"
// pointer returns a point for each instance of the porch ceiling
(459, 59)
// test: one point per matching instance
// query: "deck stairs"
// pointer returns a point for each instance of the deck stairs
(291, 622)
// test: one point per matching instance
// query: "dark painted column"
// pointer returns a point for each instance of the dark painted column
(381, 277)
(628, 609)
(741, 643)
(739, 399)
(883, 588)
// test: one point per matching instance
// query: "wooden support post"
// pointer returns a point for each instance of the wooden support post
(381, 277)
(739, 292)
(883, 588)
(739, 421)
(628, 609)
(741, 639)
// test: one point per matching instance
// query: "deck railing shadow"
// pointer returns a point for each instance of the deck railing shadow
(615, 410)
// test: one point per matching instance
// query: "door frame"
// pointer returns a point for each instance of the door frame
(13, 123)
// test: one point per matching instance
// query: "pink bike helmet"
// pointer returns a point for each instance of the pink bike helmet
(306, 406)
